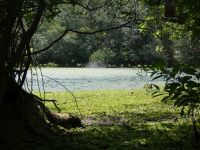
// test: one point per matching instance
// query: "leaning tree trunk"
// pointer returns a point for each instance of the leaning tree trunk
(24, 116)
(31, 109)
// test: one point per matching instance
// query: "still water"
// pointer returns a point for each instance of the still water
(54, 79)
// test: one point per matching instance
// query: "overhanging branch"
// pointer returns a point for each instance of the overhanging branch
(79, 32)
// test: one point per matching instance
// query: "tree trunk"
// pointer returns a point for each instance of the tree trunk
(23, 114)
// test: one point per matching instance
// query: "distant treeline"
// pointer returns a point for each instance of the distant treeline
(138, 43)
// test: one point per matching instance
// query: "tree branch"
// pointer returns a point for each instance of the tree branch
(33, 27)
(80, 32)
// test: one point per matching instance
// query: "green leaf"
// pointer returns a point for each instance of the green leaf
(153, 73)
(190, 110)
(184, 79)
(157, 95)
(157, 77)
(157, 87)
(165, 99)
(192, 84)
(198, 76)
(189, 71)
(154, 93)
(172, 86)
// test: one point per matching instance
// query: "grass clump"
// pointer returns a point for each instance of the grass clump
(125, 119)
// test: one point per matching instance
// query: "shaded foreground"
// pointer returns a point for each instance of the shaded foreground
(125, 120)
(114, 119)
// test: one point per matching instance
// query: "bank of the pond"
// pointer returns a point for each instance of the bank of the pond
(124, 119)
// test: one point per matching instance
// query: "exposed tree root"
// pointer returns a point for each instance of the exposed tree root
(24, 114)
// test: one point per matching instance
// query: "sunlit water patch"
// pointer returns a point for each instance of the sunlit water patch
(53, 79)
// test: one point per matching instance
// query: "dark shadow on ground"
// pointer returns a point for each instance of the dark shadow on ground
(148, 136)
(123, 131)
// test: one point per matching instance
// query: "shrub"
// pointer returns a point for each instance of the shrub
(182, 86)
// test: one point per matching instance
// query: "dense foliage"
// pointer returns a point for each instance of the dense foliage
(128, 46)
(179, 34)
(154, 33)
(182, 87)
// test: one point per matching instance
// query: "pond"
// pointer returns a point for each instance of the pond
(58, 79)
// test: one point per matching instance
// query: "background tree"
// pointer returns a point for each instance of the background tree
(123, 42)
(180, 20)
